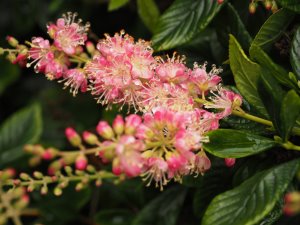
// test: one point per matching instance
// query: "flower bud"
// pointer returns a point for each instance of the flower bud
(55, 166)
(118, 125)
(51, 30)
(1, 53)
(73, 137)
(57, 191)
(12, 41)
(90, 138)
(230, 162)
(220, 1)
(104, 130)
(38, 175)
(79, 186)
(268, 4)
(90, 47)
(131, 124)
(49, 154)
(24, 176)
(252, 7)
(44, 190)
(34, 161)
(292, 197)
(81, 162)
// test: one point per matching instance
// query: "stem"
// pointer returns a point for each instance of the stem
(295, 130)
(86, 151)
(81, 59)
(290, 146)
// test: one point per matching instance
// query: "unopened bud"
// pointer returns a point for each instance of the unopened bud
(79, 186)
(118, 125)
(268, 4)
(252, 7)
(11, 57)
(38, 175)
(105, 130)
(12, 41)
(131, 123)
(34, 161)
(51, 30)
(73, 137)
(220, 1)
(81, 162)
(98, 182)
(68, 170)
(230, 162)
(90, 47)
(91, 169)
(24, 176)
(78, 50)
(49, 153)
(90, 138)
(57, 191)
(44, 190)
(1, 53)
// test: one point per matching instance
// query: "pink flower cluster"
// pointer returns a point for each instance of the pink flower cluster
(179, 104)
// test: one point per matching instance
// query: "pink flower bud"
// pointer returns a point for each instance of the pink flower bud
(118, 124)
(73, 137)
(12, 41)
(90, 47)
(132, 123)
(51, 30)
(49, 154)
(105, 130)
(90, 138)
(81, 162)
(230, 162)
(220, 1)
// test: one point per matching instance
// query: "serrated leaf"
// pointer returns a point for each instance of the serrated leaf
(116, 4)
(162, 210)
(250, 202)
(293, 5)
(246, 74)
(279, 73)
(227, 143)
(182, 21)
(295, 53)
(149, 13)
(272, 29)
(23, 127)
(290, 111)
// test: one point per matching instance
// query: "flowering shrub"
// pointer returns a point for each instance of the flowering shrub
(181, 123)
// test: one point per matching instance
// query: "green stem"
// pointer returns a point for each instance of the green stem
(295, 130)
(290, 146)
(81, 59)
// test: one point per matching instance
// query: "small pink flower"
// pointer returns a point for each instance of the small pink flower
(68, 33)
(225, 100)
(200, 81)
(172, 71)
(119, 124)
(201, 163)
(55, 69)
(132, 122)
(73, 137)
(90, 138)
(76, 79)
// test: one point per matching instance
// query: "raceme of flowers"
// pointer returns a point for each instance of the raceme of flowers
(165, 142)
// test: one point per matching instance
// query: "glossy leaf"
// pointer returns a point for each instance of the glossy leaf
(227, 143)
(23, 127)
(246, 74)
(162, 210)
(149, 13)
(272, 29)
(116, 4)
(293, 5)
(279, 73)
(182, 21)
(290, 111)
(295, 53)
(250, 202)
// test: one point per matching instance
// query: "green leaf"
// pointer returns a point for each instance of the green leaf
(162, 210)
(279, 73)
(227, 143)
(23, 127)
(114, 217)
(9, 73)
(250, 202)
(272, 95)
(290, 111)
(116, 4)
(293, 5)
(246, 74)
(272, 29)
(149, 13)
(182, 21)
(295, 53)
